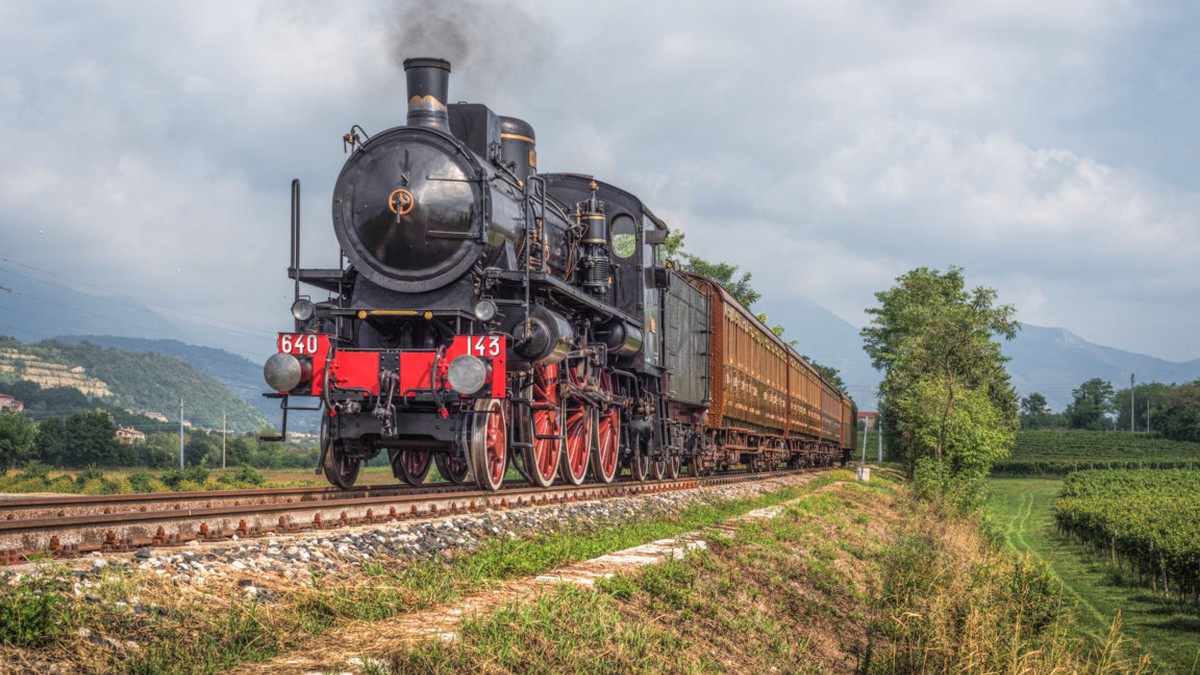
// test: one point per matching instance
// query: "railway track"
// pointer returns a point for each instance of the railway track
(73, 525)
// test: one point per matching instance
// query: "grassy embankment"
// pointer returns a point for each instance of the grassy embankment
(851, 576)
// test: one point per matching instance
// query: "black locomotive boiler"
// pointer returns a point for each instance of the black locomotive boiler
(485, 316)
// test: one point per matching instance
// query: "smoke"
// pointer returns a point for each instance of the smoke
(489, 43)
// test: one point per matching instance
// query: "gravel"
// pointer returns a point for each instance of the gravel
(252, 563)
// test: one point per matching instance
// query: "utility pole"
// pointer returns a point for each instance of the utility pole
(222, 439)
(1147, 416)
(866, 428)
(1131, 413)
(181, 434)
(879, 435)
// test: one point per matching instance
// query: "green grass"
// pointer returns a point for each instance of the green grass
(386, 590)
(749, 603)
(209, 633)
(567, 630)
(1023, 509)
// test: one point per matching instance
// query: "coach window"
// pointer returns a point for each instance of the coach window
(624, 236)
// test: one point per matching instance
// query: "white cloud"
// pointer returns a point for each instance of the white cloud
(855, 140)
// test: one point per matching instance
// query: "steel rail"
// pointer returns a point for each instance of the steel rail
(70, 536)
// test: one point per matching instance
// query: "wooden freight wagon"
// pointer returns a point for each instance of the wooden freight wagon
(768, 405)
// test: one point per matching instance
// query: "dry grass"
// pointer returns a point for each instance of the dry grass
(851, 578)
(955, 602)
(784, 595)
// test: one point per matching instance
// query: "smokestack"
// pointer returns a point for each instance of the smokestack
(428, 90)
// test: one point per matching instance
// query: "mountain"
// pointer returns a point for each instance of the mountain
(1054, 361)
(241, 375)
(37, 306)
(1050, 361)
(37, 309)
(827, 339)
(142, 381)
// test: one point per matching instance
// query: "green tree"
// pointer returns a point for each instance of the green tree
(17, 434)
(202, 448)
(160, 451)
(1151, 393)
(1036, 413)
(1178, 415)
(1092, 405)
(238, 450)
(50, 444)
(946, 400)
(722, 273)
(91, 439)
(1034, 404)
(830, 373)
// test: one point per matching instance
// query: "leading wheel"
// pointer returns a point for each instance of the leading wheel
(341, 468)
(546, 428)
(452, 467)
(489, 443)
(410, 466)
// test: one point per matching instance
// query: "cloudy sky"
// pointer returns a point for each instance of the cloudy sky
(1049, 148)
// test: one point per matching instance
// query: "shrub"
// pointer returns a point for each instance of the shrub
(140, 481)
(193, 475)
(245, 477)
(87, 475)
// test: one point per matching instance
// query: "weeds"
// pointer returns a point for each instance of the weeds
(952, 601)
(35, 612)
(569, 630)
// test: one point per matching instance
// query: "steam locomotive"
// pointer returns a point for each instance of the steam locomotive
(484, 316)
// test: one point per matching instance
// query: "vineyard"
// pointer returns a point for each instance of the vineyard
(1148, 520)
(1057, 453)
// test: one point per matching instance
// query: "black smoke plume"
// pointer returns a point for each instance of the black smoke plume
(491, 42)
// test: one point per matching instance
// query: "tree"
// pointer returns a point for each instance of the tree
(202, 448)
(1036, 413)
(1178, 415)
(946, 400)
(17, 433)
(722, 273)
(1151, 393)
(91, 440)
(50, 444)
(1092, 405)
(830, 373)
(1034, 404)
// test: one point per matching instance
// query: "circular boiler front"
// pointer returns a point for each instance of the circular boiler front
(409, 210)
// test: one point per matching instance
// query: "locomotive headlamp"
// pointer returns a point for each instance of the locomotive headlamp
(467, 374)
(485, 310)
(283, 372)
(303, 309)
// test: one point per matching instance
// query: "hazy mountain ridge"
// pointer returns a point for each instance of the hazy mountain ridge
(151, 381)
(1054, 361)
(1051, 361)
(238, 373)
